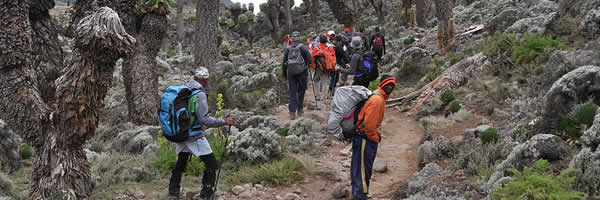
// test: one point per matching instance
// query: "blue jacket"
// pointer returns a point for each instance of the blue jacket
(303, 50)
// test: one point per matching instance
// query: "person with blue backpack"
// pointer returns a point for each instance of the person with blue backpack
(183, 113)
(363, 64)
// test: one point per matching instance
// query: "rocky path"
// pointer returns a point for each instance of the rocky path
(402, 136)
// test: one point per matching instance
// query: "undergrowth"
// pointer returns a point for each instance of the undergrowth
(280, 172)
(576, 122)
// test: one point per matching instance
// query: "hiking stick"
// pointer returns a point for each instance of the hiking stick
(222, 159)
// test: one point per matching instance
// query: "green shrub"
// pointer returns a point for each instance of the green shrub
(281, 172)
(523, 132)
(171, 53)
(575, 122)
(489, 135)
(447, 96)
(26, 151)
(538, 182)
(373, 84)
(433, 74)
(500, 45)
(242, 19)
(533, 46)
(454, 106)
(282, 132)
(409, 40)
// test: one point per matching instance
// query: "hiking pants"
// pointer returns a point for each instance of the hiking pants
(335, 76)
(297, 88)
(363, 156)
(379, 52)
(360, 81)
(321, 84)
(208, 179)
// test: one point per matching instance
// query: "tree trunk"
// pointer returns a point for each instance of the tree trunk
(452, 78)
(180, 25)
(407, 4)
(443, 14)
(313, 9)
(347, 13)
(140, 74)
(58, 131)
(206, 52)
(275, 12)
(288, 16)
(378, 6)
(423, 10)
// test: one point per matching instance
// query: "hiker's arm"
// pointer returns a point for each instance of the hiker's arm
(202, 113)
(372, 119)
(306, 54)
(284, 63)
(353, 66)
(383, 40)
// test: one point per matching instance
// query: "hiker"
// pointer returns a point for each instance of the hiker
(355, 63)
(364, 37)
(365, 142)
(331, 36)
(287, 40)
(378, 43)
(341, 60)
(324, 61)
(296, 59)
(197, 144)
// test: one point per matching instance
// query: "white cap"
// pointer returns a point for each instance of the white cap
(201, 73)
(331, 33)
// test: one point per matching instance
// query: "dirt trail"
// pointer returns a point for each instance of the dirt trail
(402, 136)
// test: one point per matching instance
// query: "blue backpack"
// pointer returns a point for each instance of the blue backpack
(175, 118)
(368, 67)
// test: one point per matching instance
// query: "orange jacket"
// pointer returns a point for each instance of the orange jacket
(371, 115)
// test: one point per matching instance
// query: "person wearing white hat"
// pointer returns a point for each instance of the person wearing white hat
(198, 145)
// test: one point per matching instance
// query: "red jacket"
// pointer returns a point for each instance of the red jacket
(371, 115)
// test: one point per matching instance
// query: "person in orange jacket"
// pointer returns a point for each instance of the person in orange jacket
(364, 144)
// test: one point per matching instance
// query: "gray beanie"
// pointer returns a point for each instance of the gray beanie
(356, 42)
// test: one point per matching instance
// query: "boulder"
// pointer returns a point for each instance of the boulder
(380, 165)
(591, 23)
(505, 19)
(574, 87)
(422, 179)
(413, 60)
(340, 191)
(535, 25)
(562, 62)
(542, 146)
(9, 148)
(588, 162)
(591, 136)
(6, 185)
(134, 141)
(439, 149)
(237, 190)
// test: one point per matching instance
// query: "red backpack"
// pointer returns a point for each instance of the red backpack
(378, 42)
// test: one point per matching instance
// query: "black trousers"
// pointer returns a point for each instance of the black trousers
(379, 52)
(208, 179)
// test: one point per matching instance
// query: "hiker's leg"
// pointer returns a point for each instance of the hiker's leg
(370, 153)
(175, 181)
(317, 85)
(335, 76)
(210, 173)
(302, 85)
(293, 91)
(324, 85)
(357, 170)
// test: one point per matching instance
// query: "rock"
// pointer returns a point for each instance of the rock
(420, 180)
(591, 23)
(6, 185)
(562, 62)
(542, 146)
(438, 149)
(475, 132)
(93, 156)
(134, 141)
(505, 19)
(247, 195)
(536, 25)
(413, 60)
(292, 196)
(223, 67)
(139, 195)
(254, 144)
(571, 89)
(9, 148)
(589, 163)
(340, 191)
(237, 190)
(279, 197)
(328, 173)
(5, 198)
(380, 165)
(150, 150)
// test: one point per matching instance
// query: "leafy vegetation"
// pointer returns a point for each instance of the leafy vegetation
(156, 6)
(409, 40)
(489, 135)
(282, 132)
(373, 84)
(575, 122)
(533, 46)
(454, 106)
(281, 172)
(523, 132)
(26, 151)
(448, 96)
(539, 183)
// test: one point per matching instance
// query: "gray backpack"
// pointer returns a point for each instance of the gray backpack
(295, 61)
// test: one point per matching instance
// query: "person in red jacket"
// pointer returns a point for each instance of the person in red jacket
(364, 144)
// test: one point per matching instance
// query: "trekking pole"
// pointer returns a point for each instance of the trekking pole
(222, 158)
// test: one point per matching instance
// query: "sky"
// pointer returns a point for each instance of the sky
(258, 2)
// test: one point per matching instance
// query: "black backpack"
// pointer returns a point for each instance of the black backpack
(295, 63)
(368, 68)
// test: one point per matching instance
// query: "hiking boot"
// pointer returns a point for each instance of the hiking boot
(300, 112)
(292, 115)
(207, 194)
(173, 197)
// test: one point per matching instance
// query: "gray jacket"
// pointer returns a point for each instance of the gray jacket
(354, 63)
(202, 108)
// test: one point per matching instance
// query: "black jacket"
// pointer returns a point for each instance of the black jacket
(340, 56)
(303, 50)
